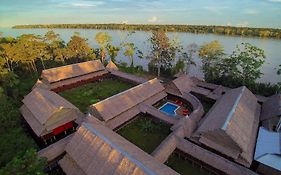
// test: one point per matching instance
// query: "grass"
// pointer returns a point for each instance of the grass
(145, 133)
(91, 93)
(183, 167)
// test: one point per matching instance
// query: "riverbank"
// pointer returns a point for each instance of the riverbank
(203, 29)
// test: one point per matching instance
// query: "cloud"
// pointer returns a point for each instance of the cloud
(125, 22)
(153, 19)
(81, 4)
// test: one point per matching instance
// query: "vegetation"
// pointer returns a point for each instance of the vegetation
(183, 167)
(221, 30)
(103, 40)
(29, 164)
(130, 52)
(16, 146)
(23, 58)
(164, 52)
(84, 96)
(145, 133)
(207, 105)
(241, 68)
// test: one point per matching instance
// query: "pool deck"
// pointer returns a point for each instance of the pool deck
(179, 110)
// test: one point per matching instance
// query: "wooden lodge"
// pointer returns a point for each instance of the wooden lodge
(48, 114)
(224, 139)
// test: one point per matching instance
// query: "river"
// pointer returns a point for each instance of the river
(272, 47)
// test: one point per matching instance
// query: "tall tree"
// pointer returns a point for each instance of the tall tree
(188, 56)
(55, 45)
(244, 63)
(103, 39)
(32, 47)
(162, 52)
(112, 51)
(78, 48)
(212, 55)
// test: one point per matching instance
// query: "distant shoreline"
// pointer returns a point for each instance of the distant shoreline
(200, 29)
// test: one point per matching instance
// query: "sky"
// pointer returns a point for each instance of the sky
(249, 13)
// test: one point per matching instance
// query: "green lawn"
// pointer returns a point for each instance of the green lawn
(84, 96)
(145, 133)
(183, 167)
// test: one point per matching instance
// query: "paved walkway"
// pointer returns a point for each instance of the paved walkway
(158, 114)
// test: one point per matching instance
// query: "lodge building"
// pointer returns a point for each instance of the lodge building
(239, 135)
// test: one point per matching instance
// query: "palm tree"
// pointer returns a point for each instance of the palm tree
(130, 52)
(103, 40)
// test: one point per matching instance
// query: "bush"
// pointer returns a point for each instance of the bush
(165, 72)
(28, 164)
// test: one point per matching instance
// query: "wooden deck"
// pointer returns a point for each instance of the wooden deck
(54, 150)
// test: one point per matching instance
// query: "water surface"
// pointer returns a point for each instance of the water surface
(272, 47)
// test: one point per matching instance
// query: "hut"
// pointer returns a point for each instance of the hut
(95, 149)
(271, 113)
(70, 75)
(111, 66)
(230, 127)
(268, 152)
(122, 107)
(179, 86)
(47, 113)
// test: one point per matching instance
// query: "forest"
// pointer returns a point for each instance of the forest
(23, 58)
(202, 29)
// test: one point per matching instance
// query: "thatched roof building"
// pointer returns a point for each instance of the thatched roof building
(179, 86)
(128, 77)
(45, 110)
(271, 108)
(95, 149)
(124, 104)
(231, 125)
(268, 149)
(111, 66)
(70, 74)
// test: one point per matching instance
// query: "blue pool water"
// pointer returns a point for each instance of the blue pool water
(169, 108)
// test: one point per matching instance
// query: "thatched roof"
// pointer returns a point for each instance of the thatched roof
(40, 84)
(111, 66)
(231, 125)
(45, 110)
(119, 103)
(71, 71)
(128, 77)
(179, 86)
(268, 148)
(271, 108)
(95, 149)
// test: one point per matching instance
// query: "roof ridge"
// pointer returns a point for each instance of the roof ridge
(234, 107)
(118, 148)
(71, 65)
(123, 92)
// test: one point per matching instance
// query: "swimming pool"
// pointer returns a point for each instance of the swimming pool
(169, 108)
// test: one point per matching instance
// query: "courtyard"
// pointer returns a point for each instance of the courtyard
(85, 95)
(145, 132)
